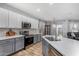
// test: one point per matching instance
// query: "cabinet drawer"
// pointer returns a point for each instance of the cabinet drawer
(19, 38)
(5, 41)
(6, 49)
(22, 38)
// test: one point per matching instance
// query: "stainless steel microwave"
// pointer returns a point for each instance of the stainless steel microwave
(26, 25)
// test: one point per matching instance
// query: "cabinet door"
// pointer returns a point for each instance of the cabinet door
(3, 18)
(39, 37)
(12, 19)
(45, 46)
(35, 38)
(7, 47)
(28, 19)
(19, 43)
(34, 23)
(25, 19)
(19, 21)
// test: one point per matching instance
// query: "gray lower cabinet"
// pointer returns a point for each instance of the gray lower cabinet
(19, 43)
(9, 46)
(6, 47)
(37, 38)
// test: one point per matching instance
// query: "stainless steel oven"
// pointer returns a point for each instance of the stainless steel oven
(28, 39)
(26, 25)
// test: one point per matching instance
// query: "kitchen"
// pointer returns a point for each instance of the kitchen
(39, 29)
(17, 30)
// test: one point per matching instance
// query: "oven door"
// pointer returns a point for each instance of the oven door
(28, 41)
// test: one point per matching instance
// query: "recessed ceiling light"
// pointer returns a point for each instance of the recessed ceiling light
(50, 3)
(38, 9)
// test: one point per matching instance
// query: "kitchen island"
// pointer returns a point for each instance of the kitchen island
(65, 47)
(11, 44)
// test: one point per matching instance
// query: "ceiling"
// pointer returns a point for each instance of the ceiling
(49, 12)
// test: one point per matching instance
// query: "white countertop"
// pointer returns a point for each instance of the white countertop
(9, 37)
(66, 46)
(34, 33)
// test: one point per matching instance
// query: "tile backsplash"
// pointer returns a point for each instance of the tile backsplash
(3, 31)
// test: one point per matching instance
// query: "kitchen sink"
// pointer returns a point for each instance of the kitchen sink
(51, 39)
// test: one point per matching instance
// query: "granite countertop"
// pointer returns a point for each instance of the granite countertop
(9, 37)
(66, 46)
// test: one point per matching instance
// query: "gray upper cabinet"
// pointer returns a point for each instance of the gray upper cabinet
(3, 18)
(9, 46)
